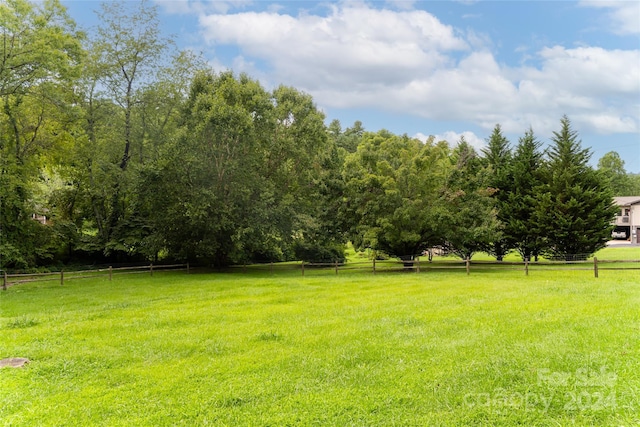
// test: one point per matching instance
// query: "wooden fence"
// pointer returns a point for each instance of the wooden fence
(9, 280)
(373, 266)
(467, 265)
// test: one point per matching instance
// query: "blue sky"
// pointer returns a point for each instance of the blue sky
(444, 68)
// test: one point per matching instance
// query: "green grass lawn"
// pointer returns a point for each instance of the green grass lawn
(356, 349)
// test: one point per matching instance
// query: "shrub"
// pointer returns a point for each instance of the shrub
(316, 252)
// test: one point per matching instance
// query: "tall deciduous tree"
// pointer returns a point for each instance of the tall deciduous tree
(210, 175)
(575, 204)
(612, 166)
(40, 52)
(242, 179)
(302, 164)
(127, 52)
(157, 112)
(130, 47)
(392, 192)
(38, 42)
(634, 184)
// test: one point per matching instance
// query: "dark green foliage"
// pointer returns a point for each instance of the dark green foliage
(350, 138)
(39, 59)
(313, 252)
(520, 224)
(634, 184)
(392, 194)
(129, 162)
(497, 160)
(25, 242)
(471, 221)
(621, 183)
(244, 177)
(574, 204)
(205, 183)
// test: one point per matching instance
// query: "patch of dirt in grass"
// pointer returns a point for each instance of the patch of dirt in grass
(13, 362)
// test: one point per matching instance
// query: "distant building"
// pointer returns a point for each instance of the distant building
(627, 222)
(42, 219)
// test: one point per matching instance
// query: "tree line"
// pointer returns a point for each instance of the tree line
(117, 147)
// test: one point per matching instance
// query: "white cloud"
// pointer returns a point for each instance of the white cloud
(421, 136)
(607, 123)
(593, 70)
(588, 83)
(410, 62)
(453, 138)
(624, 16)
(354, 46)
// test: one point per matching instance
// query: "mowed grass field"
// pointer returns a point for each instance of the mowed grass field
(254, 349)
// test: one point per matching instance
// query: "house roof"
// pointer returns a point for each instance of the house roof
(627, 200)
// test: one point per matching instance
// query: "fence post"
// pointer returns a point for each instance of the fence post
(151, 269)
(417, 264)
(4, 280)
(187, 268)
(374, 265)
(110, 273)
(336, 267)
(526, 266)
(595, 266)
(468, 263)
(61, 277)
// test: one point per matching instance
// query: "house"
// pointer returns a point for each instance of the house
(627, 222)
(42, 219)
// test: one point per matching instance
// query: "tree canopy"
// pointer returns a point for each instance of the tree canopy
(115, 146)
(392, 197)
(574, 205)
(242, 174)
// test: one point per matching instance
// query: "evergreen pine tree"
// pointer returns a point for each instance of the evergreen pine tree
(575, 207)
(520, 225)
(472, 224)
(496, 159)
